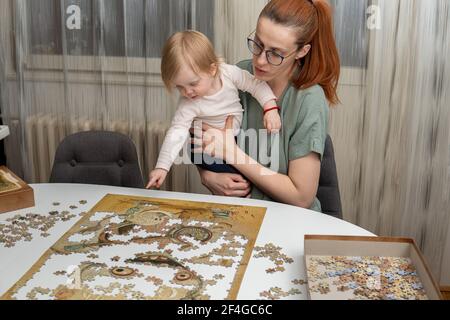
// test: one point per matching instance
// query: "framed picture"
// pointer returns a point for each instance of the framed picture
(15, 194)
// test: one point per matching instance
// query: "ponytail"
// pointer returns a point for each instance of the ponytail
(313, 21)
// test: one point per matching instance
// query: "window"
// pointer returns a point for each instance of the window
(114, 28)
(351, 33)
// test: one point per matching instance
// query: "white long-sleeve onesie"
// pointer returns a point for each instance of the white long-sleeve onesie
(212, 110)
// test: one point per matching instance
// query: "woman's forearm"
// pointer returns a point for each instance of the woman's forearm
(278, 186)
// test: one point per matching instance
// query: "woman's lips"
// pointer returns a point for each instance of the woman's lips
(258, 70)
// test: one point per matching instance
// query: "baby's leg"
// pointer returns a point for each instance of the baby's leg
(209, 163)
(219, 168)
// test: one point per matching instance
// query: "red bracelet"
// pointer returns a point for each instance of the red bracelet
(270, 109)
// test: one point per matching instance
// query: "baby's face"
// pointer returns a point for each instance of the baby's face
(192, 85)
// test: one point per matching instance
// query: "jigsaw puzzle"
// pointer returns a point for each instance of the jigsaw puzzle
(278, 259)
(276, 293)
(25, 228)
(274, 254)
(146, 248)
(363, 278)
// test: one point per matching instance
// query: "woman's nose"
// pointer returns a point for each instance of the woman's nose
(261, 59)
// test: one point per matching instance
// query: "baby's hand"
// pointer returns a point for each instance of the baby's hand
(272, 121)
(156, 178)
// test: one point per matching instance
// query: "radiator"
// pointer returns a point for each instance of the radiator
(43, 133)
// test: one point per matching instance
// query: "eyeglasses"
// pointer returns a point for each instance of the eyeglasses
(272, 57)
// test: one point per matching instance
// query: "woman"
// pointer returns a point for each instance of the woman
(294, 51)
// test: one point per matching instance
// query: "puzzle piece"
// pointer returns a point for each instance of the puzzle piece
(274, 254)
(374, 278)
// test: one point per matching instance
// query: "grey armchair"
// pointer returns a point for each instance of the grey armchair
(328, 191)
(97, 157)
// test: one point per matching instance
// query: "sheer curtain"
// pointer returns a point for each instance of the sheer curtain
(391, 132)
(90, 64)
(404, 171)
(67, 66)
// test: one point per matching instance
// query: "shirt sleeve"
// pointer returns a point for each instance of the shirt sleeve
(176, 135)
(311, 130)
(246, 82)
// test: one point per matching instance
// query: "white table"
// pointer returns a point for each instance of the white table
(283, 226)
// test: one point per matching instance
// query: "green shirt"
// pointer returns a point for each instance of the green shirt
(304, 119)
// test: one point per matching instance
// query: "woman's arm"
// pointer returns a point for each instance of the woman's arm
(298, 188)
(225, 184)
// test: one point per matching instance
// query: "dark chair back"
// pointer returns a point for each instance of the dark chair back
(328, 191)
(97, 157)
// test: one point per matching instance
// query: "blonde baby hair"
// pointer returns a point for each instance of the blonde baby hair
(190, 48)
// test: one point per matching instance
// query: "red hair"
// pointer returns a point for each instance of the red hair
(313, 22)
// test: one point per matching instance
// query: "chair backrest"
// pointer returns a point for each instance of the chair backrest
(97, 157)
(328, 191)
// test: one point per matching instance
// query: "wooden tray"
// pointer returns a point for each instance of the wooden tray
(15, 194)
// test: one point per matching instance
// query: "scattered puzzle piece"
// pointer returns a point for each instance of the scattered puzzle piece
(18, 228)
(274, 254)
(362, 278)
(276, 293)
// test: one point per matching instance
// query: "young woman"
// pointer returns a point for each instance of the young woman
(294, 51)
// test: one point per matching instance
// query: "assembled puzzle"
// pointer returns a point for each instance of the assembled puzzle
(130, 247)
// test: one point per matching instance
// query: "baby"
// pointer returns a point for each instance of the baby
(209, 93)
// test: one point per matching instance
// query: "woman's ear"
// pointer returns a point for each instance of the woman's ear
(303, 51)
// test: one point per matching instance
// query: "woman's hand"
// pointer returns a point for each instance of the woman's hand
(217, 143)
(220, 143)
(225, 184)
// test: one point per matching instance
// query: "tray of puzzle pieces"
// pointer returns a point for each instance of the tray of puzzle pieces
(15, 194)
(367, 268)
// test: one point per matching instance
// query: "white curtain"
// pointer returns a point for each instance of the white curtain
(405, 143)
(392, 132)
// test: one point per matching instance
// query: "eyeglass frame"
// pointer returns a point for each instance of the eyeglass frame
(249, 39)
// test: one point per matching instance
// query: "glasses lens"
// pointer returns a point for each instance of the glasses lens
(274, 58)
(254, 47)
